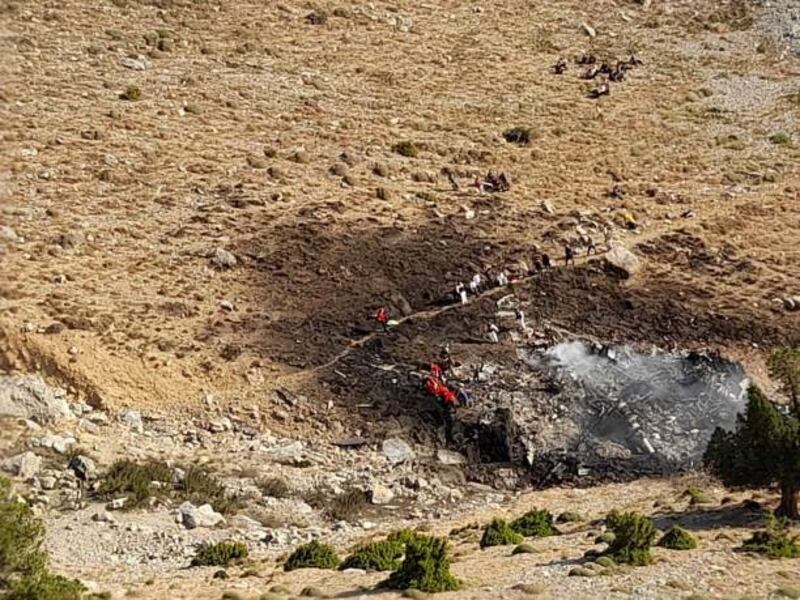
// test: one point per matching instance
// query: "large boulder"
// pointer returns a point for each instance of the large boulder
(199, 516)
(25, 465)
(397, 451)
(29, 397)
(623, 261)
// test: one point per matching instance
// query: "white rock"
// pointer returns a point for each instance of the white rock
(623, 260)
(8, 234)
(199, 516)
(137, 64)
(223, 259)
(380, 494)
(29, 397)
(133, 419)
(117, 504)
(448, 457)
(25, 465)
(60, 444)
(397, 451)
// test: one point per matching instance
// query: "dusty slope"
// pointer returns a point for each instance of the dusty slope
(120, 203)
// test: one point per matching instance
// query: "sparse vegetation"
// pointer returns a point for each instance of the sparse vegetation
(633, 536)
(348, 505)
(136, 482)
(274, 487)
(518, 135)
(199, 487)
(677, 538)
(23, 563)
(313, 555)
(407, 148)
(774, 541)
(695, 495)
(376, 556)
(784, 367)
(132, 93)
(499, 533)
(221, 554)
(404, 536)
(780, 139)
(524, 549)
(535, 523)
(569, 516)
(426, 567)
(761, 450)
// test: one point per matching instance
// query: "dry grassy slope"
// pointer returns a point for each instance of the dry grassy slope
(119, 202)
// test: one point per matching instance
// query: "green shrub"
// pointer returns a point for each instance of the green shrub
(426, 567)
(524, 549)
(518, 135)
(406, 148)
(780, 139)
(135, 481)
(605, 538)
(696, 495)
(131, 93)
(377, 556)
(23, 563)
(404, 536)
(606, 561)
(787, 592)
(221, 554)
(633, 536)
(535, 523)
(677, 538)
(199, 487)
(499, 533)
(774, 541)
(44, 586)
(313, 555)
(569, 516)
(348, 505)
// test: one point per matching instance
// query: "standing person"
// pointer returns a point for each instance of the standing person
(569, 254)
(502, 278)
(520, 319)
(607, 235)
(382, 317)
(461, 293)
(546, 262)
(493, 331)
(475, 284)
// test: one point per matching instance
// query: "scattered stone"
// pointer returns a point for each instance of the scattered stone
(203, 516)
(25, 465)
(590, 31)
(103, 517)
(397, 451)
(8, 234)
(29, 397)
(223, 259)
(548, 207)
(623, 261)
(403, 305)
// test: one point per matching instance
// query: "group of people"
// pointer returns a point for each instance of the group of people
(436, 384)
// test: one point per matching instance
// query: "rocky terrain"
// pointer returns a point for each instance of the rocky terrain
(204, 203)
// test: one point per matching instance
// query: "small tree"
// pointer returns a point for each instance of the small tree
(633, 536)
(784, 366)
(499, 533)
(764, 448)
(426, 567)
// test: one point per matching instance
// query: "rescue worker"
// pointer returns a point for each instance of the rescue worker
(464, 397)
(493, 331)
(445, 360)
(382, 317)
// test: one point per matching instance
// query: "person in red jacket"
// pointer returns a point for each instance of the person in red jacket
(382, 317)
